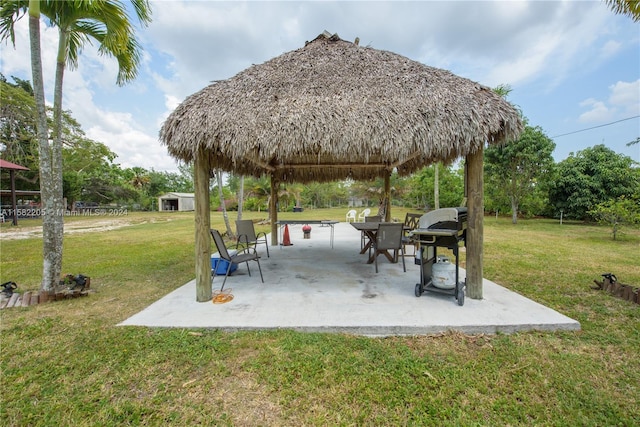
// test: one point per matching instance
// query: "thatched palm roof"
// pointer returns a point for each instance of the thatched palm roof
(334, 109)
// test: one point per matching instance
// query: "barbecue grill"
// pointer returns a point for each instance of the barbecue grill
(444, 228)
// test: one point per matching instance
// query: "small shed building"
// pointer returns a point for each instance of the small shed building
(181, 202)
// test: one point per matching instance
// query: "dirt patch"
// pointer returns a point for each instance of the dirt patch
(71, 228)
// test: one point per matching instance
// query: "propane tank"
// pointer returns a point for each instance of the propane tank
(443, 274)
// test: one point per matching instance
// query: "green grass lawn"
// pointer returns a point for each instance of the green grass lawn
(66, 363)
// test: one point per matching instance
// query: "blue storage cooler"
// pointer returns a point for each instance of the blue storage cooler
(220, 265)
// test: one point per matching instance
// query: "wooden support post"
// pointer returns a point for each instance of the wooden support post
(202, 226)
(273, 211)
(475, 224)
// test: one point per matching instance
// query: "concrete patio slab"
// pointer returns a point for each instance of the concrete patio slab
(310, 286)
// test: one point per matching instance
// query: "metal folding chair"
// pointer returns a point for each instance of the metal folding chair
(247, 234)
(246, 255)
(389, 237)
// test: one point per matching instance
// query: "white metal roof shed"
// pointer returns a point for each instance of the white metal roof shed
(181, 202)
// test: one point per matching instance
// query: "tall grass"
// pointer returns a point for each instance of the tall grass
(66, 363)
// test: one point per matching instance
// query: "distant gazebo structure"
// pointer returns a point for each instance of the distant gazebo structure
(12, 168)
(334, 110)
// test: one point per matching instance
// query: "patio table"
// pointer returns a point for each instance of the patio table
(371, 231)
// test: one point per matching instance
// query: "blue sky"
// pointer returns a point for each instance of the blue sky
(572, 65)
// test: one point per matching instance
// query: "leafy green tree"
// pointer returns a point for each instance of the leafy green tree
(18, 143)
(516, 169)
(372, 191)
(337, 193)
(617, 214)
(82, 157)
(107, 184)
(184, 179)
(313, 194)
(590, 177)
(83, 160)
(422, 187)
(161, 182)
(324, 194)
(236, 185)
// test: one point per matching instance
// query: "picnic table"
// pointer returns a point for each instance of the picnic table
(322, 222)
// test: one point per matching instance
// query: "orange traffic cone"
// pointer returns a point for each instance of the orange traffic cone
(286, 240)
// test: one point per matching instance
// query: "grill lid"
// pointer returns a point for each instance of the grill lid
(442, 215)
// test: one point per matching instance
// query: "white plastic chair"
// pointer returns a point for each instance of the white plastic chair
(351, 215)
(363, 214)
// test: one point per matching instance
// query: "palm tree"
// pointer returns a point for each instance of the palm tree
(631, 8)
(78, 22)
(261, 189)
(240, 197)
(223, 205)
(140, 178)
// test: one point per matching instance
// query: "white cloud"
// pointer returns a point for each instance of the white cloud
(134, 146)
(490, 42)
(610, 48)
(598, 111)
(623, 102)
(626, 96)
(17, 61)
(171, 102)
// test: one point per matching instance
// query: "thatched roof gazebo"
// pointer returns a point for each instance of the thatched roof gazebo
(335, 110)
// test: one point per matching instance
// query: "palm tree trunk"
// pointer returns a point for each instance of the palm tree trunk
(515, 199)
(436, 188)
(240, 197)
(44, 150)
(223, 206)
(56, 159)
(514, 210)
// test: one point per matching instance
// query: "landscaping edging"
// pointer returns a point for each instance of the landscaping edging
(33, 298)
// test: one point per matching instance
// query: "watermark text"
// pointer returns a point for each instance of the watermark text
(37, 212)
